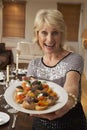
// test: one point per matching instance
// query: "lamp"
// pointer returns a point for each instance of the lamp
(84, 38)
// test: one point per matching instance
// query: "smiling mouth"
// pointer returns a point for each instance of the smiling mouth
(50, 46)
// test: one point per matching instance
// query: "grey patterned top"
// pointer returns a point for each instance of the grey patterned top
(58, 72)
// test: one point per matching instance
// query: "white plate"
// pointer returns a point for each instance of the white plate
(4, 118)
(63, 97)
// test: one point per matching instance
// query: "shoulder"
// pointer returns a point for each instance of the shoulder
(35, 61)
(75, 62)
(76, 57)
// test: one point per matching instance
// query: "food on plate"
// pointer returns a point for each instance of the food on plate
(34, 94)
(19, 94)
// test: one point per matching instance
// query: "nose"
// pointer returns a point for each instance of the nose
(49, 38)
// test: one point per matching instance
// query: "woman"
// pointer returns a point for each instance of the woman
(59, 66)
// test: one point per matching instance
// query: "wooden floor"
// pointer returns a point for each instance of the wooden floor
(84, 94)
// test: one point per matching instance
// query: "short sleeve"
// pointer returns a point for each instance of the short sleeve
(76, 63)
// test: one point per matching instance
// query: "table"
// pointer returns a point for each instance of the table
(23, 122)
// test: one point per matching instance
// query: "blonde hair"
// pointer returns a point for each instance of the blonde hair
(50, 17)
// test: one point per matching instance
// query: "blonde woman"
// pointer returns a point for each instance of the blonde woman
(60, 66)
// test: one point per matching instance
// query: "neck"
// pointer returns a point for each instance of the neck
(55, 55)
(52, 59)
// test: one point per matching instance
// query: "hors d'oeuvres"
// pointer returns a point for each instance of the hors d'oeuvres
(35, 95)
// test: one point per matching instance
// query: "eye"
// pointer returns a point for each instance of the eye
(55, 33)
(44, 33)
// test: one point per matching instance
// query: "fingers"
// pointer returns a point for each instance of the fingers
(49, 116)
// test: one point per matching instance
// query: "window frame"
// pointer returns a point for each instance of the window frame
(14, 14)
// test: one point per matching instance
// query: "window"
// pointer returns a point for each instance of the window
(71, 13)
(14, 19)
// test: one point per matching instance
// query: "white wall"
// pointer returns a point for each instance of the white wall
(32, 8)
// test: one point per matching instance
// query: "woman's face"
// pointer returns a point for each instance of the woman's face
(49, 39)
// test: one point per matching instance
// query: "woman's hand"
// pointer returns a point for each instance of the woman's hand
(51, 116)
(57, 114)
(48, 116)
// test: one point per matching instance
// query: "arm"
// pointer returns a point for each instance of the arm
(71, 86)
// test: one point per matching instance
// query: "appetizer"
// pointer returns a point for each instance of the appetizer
(34, 94)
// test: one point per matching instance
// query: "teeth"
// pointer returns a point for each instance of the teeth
(49, 45)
